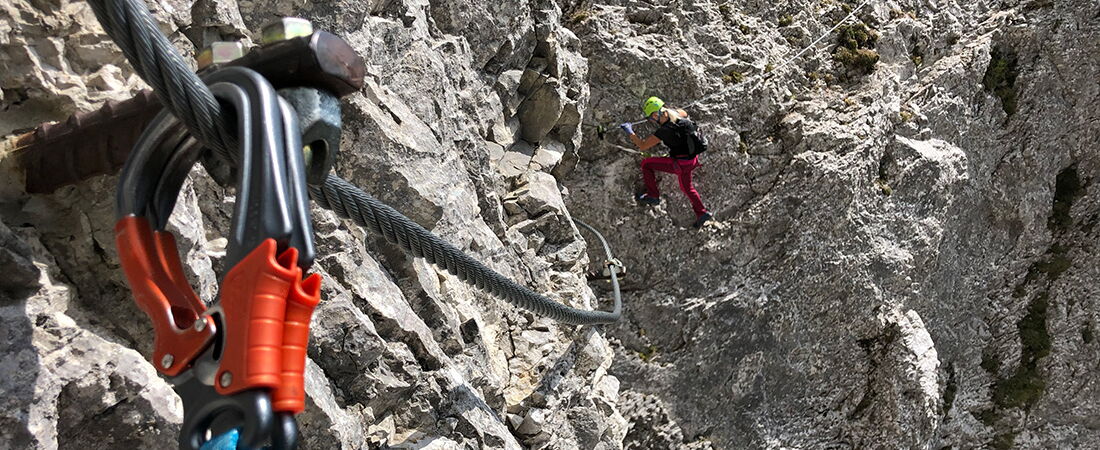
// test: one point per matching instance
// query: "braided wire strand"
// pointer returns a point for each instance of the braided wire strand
(348, 201)
(156, 61)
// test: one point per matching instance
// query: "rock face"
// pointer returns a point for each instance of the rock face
(402, 355)
(900, 256)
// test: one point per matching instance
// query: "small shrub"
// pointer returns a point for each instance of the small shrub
(733, 77)
(769, 67)
(726, 12)
(861, 61)
(905, 116)
(897, 14)
(884, 188)
(917, 55)
(855, 44)
(857, 36)
(786, 20)
(580, 17)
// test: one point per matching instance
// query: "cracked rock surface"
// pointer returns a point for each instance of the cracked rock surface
(402, 355)
(900, 257)
(901, 251)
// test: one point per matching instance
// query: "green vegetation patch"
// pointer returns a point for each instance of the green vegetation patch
(855, 48)
(861, 61)
(786, 20)
(728, 15)
(733, 77)
(1000, 77)
(856, 36)
(580, 17)
(726, 12)
(883, 187)
(1024, 388)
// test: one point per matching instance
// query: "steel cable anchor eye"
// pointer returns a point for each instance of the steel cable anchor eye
(243, 368)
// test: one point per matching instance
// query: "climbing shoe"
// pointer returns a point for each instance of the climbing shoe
(646, 199)
(702, 219)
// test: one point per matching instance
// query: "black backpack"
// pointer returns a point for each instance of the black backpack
(694, 142)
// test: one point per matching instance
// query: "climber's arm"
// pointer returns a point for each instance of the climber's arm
(646, 144)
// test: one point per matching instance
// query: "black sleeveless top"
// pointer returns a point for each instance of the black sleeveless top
(670, 135)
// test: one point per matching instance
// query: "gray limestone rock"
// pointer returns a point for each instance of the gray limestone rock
(901, 251)
(902, 247)
(402, 354)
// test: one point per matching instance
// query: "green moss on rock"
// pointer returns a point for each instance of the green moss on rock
(1000, 77)
(1027, 384)
(1024, 388)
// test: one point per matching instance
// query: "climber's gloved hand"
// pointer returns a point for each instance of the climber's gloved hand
(627, 127)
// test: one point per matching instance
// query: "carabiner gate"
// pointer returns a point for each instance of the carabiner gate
(240, 362)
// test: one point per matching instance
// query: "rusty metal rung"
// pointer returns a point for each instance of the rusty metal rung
(88, 144)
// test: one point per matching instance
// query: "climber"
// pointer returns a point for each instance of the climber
(684, 144)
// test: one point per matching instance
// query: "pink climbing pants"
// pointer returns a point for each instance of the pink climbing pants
(682, 169)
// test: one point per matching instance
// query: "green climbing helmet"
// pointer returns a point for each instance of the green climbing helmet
(652, 105)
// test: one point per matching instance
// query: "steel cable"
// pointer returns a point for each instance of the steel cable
(156, 61)
(348, 201)
(131, 26)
